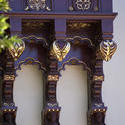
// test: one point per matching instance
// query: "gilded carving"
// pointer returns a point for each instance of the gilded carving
(17, 50)
(98, 78)
(107, 48)
(53, 77)
(60, 52)
(9, 77)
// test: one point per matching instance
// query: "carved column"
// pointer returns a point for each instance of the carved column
(97, 111)
(8, 106)
(51, 113)
(2, 60)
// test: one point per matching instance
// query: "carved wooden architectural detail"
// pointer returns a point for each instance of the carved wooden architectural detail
(75, 32)
(8, 106)
(97, 109)
(83, 5)
(38, 5)
(52, 109)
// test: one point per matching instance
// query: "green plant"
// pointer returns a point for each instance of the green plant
(6, 41)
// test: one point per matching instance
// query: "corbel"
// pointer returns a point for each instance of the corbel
(107, 45)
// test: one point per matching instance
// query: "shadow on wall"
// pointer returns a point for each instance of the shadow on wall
(28, 95)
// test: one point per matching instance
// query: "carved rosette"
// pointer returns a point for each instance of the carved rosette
(83, 5)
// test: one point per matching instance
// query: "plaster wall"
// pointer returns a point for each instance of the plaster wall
(28, 95)
(114, 86)
(72, 96)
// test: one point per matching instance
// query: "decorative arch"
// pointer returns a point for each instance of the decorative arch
(30, 61)
(74, 61)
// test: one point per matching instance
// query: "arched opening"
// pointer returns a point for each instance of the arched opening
(72, 96)
(28, 95)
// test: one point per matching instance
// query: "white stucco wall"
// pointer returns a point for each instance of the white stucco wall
(114, 86)
(72, 96)
(28, 95)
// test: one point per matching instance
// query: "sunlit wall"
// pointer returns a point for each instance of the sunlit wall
(114, 85)
(28, 95)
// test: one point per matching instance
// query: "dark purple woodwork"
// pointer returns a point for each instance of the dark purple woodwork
(83, 29)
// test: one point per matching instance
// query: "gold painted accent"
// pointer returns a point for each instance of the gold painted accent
(53, 77)
(79, 25)
(9, 77)
(17, 50)
(98, 78)
(33, 61)
(57, 110)
(79, 61)
(81, 38)
(107, 49)
(30, 36)
(60, 53)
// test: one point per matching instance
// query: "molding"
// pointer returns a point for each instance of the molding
(74, 61)
(31, 61)
(62, 15)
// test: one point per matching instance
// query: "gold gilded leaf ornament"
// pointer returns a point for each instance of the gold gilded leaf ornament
(17, 50)
(107, 48)
(60, 52)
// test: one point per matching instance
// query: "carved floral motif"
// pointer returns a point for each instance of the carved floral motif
(37, 5)
(83, 4)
